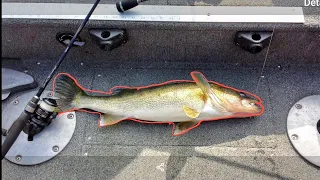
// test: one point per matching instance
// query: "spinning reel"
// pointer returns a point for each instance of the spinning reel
(41, 118)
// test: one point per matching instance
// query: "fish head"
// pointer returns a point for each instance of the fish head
(227, 100)
(239, 103)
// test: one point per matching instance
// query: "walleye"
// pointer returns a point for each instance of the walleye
(184, 103)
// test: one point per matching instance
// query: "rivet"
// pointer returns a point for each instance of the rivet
(55, 148)
(295, 137)
(298, 106)
(18, 158)
(70, 116)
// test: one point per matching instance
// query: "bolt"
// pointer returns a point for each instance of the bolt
(298, 106)
(55, 148)
(16, 102)
(70, 116)
(18, 158)
(294, 137)
(50, 94)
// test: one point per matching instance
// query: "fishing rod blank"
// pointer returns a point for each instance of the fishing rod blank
(21, 122)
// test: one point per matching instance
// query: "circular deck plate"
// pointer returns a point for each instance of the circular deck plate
(45, 145)
(302, 128)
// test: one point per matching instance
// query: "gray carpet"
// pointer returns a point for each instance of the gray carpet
(250, 148)
(256, 148)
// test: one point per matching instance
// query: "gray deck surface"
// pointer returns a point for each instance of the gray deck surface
(255, 148)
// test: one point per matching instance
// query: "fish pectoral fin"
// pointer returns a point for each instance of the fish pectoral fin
(192, 113)
(109, 119)
(183, 127)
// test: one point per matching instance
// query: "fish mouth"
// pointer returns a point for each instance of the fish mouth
(256, 110)
(259, 108)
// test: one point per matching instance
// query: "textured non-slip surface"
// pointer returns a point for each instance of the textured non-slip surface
(256, 148)
(249, 148)
(159, 48)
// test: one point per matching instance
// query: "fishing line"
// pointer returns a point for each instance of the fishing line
(265, 59)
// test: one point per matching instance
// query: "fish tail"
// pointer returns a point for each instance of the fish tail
(68, 93)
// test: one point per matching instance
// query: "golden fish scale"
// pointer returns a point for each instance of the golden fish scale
(164, 101)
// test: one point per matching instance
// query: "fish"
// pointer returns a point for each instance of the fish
(183, 103)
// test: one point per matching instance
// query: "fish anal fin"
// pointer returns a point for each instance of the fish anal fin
(192, 113)
(109, 119)
(183, 127)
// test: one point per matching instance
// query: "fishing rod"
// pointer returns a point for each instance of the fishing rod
(35, 117)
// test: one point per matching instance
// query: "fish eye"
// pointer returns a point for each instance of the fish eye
(243, 95)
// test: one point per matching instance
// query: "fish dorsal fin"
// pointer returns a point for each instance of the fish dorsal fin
(207, 90)
(119, 91)
(191, 112)
(183, 127)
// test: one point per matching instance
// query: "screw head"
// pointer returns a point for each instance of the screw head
(50, 94)
(295, 137)
(18, 158)
(298, 106)
(55, 148)
(70, 116)
(16, 102)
